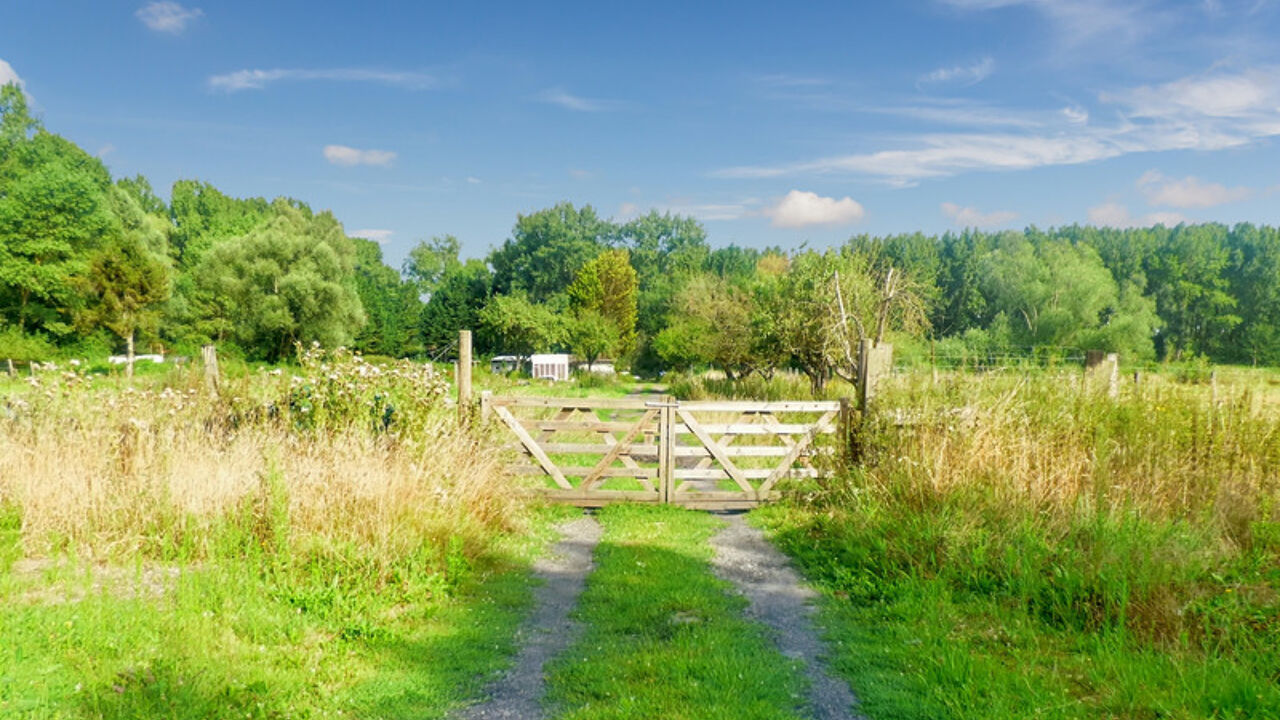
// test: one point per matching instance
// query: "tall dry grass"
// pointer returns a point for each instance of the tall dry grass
(334, 457)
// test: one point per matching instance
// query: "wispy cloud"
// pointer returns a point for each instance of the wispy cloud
(1189, 192)
(167, 17)
(104, 151)
(1081, 21)
(1113, 214)
(1210, 111)
(259, 79)
(471, 180)
(963, 75)
(801, 209)
(568, 101)
(349, 156)
(378, 236)
(9, 75)
(972, 217)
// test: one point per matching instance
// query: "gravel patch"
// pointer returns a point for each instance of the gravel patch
(782, 602)
(549, 630)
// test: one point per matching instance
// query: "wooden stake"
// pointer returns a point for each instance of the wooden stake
(464, 375)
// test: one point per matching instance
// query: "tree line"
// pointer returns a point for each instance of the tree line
(91, 264)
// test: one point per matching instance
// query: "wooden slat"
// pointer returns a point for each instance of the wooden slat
(582, 403)
(531, 446)
(718, 495)
(583, 471)
(747, 429)
(749, 473)
(684, 451)
(627, 461)
(701, 433)
(584, 425)
(759, 407)
(799, 448)
(612, 456)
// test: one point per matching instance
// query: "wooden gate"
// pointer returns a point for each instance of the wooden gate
(713, 455)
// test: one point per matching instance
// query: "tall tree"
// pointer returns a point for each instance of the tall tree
(520, 327)
(391, 305)
(606, 285)
(455, 305)
(545, 249)
(127, 284)
(430, 261)
(289, 280)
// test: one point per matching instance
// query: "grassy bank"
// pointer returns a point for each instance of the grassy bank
(1017, 546)
(319, 541)
(664, 638)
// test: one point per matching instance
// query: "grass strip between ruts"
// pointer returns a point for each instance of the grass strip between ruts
(664, 637)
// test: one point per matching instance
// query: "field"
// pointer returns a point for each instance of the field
(323, 539)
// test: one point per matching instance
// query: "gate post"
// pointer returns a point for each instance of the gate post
(666, 449)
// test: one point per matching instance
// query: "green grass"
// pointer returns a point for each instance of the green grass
(249, 638)
(1030, 625)
(664, 638)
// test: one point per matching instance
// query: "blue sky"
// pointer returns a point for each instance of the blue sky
(773, 124)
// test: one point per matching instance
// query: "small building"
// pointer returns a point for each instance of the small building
(503, 364)
(550, 366)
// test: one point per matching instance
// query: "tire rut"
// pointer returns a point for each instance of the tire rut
(782, 602)
(548, 630)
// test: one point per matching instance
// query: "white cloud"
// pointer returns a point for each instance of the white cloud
(558, 96)
(167, 17)
(1113, 214)
(1208, 112)
(259, 79)
(473, 180)
(1189, 192)
(972, 217)
(9, 75)
(105, 150)
(1075, 114)
(378, 236)
(348, 156)
(964, 75)
(801, 209)
(580, 174)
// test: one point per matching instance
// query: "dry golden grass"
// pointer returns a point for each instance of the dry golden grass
(111, 473)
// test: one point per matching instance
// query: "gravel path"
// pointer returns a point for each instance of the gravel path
(780, 600)
(549, 630)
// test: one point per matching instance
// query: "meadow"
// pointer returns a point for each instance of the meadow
(323, 539)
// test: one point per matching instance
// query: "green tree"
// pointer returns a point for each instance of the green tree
(520, 327)
(289, 280)
(203, 216)
(546, 248)
(430, 261)
(591, 335)
(455, 305)
(55, 211)
(607, 285)
(128, 285)
(391, 305)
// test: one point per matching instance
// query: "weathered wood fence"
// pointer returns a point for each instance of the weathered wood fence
(712, 455)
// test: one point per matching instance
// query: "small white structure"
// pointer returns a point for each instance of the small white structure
(123, 359)
(550, 366)
(599, 367)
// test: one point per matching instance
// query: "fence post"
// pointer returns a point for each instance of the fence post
(464, 375)
(845, 432)
(486, 405)
(874, 361)
(209, 355)
(13, 373)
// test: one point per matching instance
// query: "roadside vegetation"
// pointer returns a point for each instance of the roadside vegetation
(1015, 545)
(307, 542)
